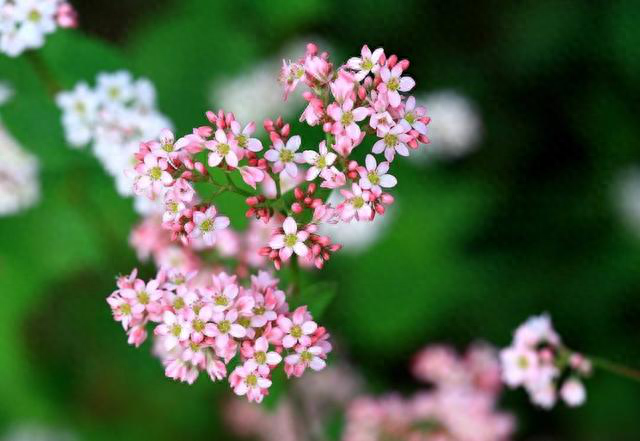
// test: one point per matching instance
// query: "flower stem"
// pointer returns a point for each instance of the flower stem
(295, 275)
(44, 73)
(615, 368)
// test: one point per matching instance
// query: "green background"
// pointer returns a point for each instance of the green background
(525, 224)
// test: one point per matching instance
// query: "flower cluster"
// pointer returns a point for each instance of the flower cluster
(203, 321)
(460, 407)
(362, 97)
(19, 181)
(114, 116)
(25, 23)
(539, 362)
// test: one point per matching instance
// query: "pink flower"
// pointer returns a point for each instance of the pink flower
(221, 301)
(143, 297)
(206, 225)
(152, 177)
(174, 329)
(366, 63)
(251, 175)
(519, 365)
(393, 141)
(393, 83)
(333, 178)
(375, 176)
(284, 156)
(290, 74)
(260, 358)
(297, 329)
(243, 136)
(199, 319)
(222, 148)
(292, 241)
(303, 358)
(414, 116)
(319, 161)
(573, 392)
(246, 380)
(346, 118)
(224, 327)
(356, 204)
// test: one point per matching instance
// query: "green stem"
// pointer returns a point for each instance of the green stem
(295, 275)
(615, 368)
(43, 72)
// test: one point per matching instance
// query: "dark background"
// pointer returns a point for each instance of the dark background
(524, 224)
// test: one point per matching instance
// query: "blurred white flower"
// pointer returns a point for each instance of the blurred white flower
(34, 432)
(255, 94)
(114, 117)
(6, 92)
(19, 185)
(627, 198)
(455, 128)
(356, 236)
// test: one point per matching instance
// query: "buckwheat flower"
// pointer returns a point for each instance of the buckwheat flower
(303, 358)
(573, 392)
(224, 327)
(243, 136)
(207, 224)
(297, 329)
(153, 177)
(366, 63)
(115, 88)
(260, 358)
(284, 156)
(34, 19)
(290, 241)
(19, 181)
(319, 161)
(199, 319)
(224, 299)
(393, 141)
(393, 83)
(346, 118)
(332, 178)
(375, 175)
(144, 297)
(121, 309)
(413, 115)
(290, 75)
(174, 329)
(246, 380)
(251, 175)
(79, 108)
(222, 148)
(519, 365)
(356, 204)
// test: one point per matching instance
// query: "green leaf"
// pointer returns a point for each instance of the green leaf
(317, 298)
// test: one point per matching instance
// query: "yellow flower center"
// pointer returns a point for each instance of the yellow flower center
(290, 240)
(286, 155)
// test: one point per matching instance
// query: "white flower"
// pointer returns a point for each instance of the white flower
(455, 128)
(19, 184)
(292, 241)
(627, 198)
(25, 23)
(207, 224)
(573, 392)
(318, 161)
(115, 116)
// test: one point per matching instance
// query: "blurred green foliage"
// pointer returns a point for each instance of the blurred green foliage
(524, 225)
